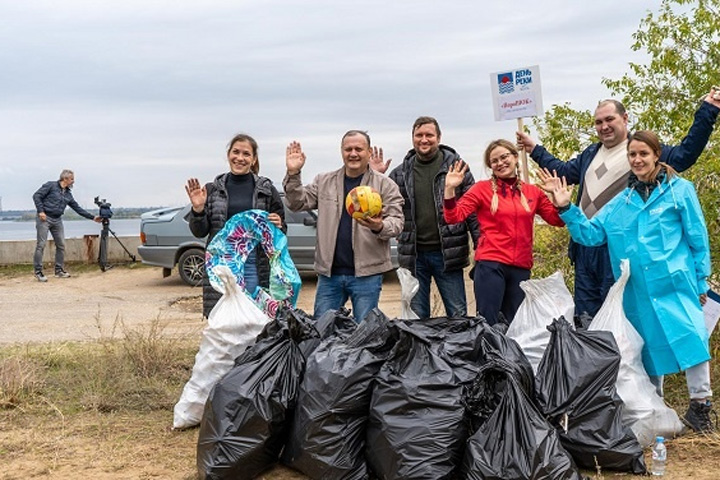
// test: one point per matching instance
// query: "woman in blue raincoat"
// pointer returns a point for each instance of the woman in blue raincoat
(657, 223)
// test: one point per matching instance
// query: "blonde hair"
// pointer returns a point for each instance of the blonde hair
(493, 179)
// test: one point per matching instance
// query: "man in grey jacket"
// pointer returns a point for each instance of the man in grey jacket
(352, 253)
(51, 199)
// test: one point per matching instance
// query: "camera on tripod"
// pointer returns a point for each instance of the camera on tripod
(105, 210)
(105, 214)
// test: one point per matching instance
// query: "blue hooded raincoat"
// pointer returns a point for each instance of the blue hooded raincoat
(666, 241)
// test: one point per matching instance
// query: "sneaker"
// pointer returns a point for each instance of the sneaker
(698, 416)
(40, 277)
(62, 274)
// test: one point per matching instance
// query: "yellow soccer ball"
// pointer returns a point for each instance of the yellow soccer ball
(363, 202)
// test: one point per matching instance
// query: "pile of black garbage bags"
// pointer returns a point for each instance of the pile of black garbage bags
(440, 398)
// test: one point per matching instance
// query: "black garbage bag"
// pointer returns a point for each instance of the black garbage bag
(334, 323)
(417, 426)
(512, 439)
(576, 392)
(496, 346)
(331, 323)
(582, 321)
(247, 415)
(327, 438)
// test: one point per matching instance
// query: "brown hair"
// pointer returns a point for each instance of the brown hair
(493, 179)
(243, 137)
(425, 121)
(651, 140)
(619, 107)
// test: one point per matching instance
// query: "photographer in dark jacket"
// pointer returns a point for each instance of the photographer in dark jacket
(233, 192)
(428, 246)
(50, 202)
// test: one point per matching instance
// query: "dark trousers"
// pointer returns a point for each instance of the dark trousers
(497, 289)
(593, 278)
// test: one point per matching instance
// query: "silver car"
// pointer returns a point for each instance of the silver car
(167, 241)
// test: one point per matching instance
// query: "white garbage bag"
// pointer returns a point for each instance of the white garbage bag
(545, 299)
(409, 286)
(645, 411)
(233, 324)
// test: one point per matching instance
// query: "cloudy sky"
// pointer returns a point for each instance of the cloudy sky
(137, 96)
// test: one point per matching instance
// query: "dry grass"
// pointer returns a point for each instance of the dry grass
(20, 379)
(103, 410)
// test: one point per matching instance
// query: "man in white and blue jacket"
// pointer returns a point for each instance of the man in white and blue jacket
(601, 171)
(51, 199)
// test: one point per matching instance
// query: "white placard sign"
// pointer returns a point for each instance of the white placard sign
(516, 93)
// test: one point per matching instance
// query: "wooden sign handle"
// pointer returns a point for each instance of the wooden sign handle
(523, 155)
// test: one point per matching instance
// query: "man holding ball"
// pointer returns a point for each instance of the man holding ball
(352, 252)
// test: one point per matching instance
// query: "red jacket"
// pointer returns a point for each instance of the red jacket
(507, 236)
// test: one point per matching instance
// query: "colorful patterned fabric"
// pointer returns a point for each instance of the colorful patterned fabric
(231, 247)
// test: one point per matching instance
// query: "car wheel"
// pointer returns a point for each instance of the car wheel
(191, 266)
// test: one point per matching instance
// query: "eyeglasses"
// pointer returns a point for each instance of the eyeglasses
(501, 158)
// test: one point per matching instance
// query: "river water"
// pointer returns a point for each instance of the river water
(123, 227)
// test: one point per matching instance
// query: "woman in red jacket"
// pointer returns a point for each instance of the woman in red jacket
(505, 208)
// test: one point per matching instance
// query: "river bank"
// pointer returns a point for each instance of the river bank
(25, 230)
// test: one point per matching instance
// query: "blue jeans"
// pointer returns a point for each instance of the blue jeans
(332, 293)
(56, 229)
(451, 286)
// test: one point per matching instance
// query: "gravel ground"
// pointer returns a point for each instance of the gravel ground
(88, 304)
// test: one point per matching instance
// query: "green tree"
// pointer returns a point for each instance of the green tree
(682, 41)
(565, 131)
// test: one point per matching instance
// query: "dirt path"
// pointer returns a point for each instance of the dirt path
(74, 308)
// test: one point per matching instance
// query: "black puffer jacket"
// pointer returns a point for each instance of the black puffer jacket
(454, 238)
(213, 218)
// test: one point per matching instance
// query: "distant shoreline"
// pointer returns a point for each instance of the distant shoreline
(118, 213)
(24, 230)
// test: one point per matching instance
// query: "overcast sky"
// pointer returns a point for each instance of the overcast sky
(137, 96)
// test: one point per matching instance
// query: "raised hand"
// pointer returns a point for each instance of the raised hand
(524, 142)
(561, 194)
(454, 177)
(713, 97)
(197, 194)
(294, 158)
(377, 162)
(548, 181)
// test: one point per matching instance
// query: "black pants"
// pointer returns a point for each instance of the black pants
(497, 289)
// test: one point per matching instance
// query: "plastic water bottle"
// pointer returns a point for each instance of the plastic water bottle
(659, 457)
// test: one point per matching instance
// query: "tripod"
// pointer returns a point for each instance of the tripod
(102, 255)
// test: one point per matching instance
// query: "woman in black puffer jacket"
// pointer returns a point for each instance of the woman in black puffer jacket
(233, 192)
